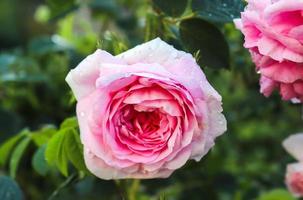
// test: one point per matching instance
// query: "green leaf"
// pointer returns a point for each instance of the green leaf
(10, 122)
(276, 194)
(45, 45)
(109, 7)
(42, 136)
(61, 8)
(218, 10)
(39, 163)
(9, 189)
(20, 69)
(74, 149)
(55, 154)
(71, 122)
(6, 148)
(198, 35)
(16, 156)
(173, 8)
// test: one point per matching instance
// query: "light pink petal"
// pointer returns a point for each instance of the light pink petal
(294, 146)
(213, 124)
(82, 79)
(238, 23)
(170, 107)
(258, 5)
(180, 159)
(283, 6)
(149, 94)
(178, 63)
(297, 32)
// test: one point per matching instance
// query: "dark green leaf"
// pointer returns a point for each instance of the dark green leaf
(109, 7)
(6, 147)
(10, 123)
(9, 189)
(55, 154)
(218, 10)
(6, 60)
(61, 8)
(17, 155)
(45, 45)
(173, 8)
(74, 149)
(197, 35)
(19, 69)
(39, 163)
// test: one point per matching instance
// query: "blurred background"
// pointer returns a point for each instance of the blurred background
(40, 41)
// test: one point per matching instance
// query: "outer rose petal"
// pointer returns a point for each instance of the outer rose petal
(214, 125)
(294, 146)
(267, 85)
(98, 167)
(175, 62)
(294, 179)
(82, 79)
(283, 6)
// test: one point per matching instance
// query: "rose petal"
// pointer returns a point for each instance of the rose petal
(293, 145)
(82, 79)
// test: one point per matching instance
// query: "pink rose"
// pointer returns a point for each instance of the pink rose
(273, 31)
(294, 179)
(145, 112)
(294, 174)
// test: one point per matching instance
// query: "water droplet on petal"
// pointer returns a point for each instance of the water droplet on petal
(82, 114)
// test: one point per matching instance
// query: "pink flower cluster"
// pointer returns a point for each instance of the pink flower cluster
(273, 31)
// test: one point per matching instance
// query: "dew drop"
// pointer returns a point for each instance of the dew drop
(82, 114)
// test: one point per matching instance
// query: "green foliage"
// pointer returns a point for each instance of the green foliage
(200, 36)
(74, 150)
(17, 155)
(9, 189)
(41, 136)
(55, 154)
(61, 8)
(46, 45)
(55, 38)
(65, 146)
(39, 163)
(7, 146)
(173, 8)
(277, 194)
(221, 11)
(16, 69)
